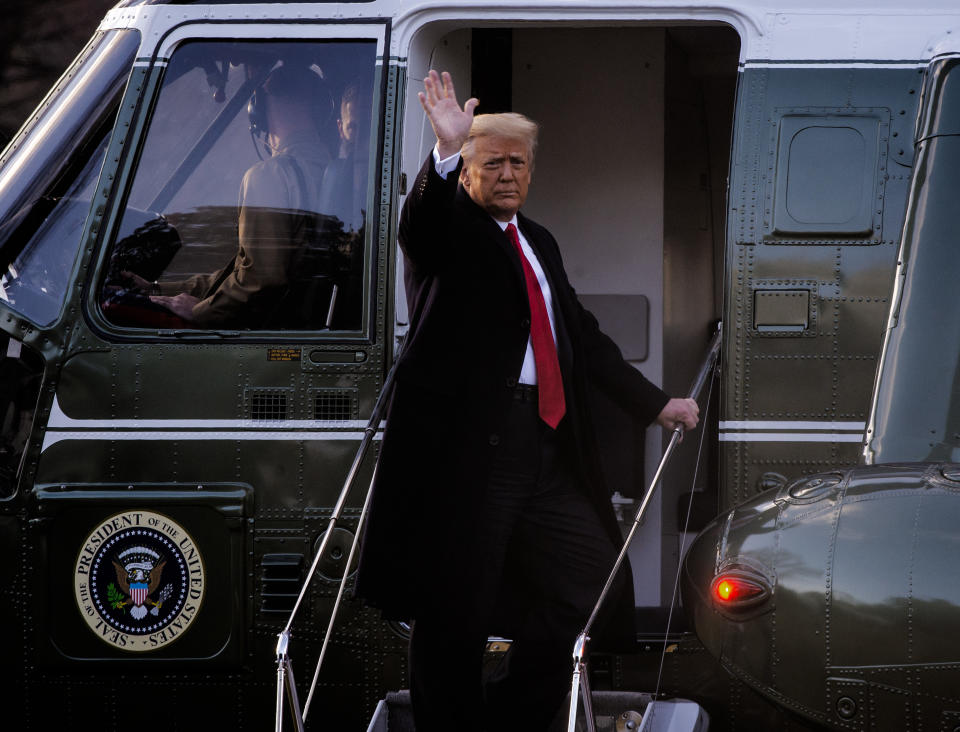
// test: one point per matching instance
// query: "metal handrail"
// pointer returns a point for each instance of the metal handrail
(580, 685)
(285, 679)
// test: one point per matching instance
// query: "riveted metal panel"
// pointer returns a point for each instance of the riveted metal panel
(784, 308)
(822, 373)
(781, 310)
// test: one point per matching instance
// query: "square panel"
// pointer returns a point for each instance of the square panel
(829, 168)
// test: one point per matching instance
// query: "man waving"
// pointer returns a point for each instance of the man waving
(489, 516)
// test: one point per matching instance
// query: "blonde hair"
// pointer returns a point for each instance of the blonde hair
(505, 124)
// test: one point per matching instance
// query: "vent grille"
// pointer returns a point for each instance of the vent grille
(268, 407)
(280, 576)
(338, 405)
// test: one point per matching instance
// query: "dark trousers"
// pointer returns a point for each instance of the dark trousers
(543, 558)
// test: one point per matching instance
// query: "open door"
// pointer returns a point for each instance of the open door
(630, 177)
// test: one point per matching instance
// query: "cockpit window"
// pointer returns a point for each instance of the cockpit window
(250, 207)
(48, 174)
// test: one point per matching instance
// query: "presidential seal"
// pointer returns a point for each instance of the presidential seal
(139, 580)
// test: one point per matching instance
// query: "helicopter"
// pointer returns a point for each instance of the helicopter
(167, 477)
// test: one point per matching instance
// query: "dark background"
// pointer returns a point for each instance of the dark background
(38, 40)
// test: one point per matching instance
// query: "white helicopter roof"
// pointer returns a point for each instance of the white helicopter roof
(849, 32)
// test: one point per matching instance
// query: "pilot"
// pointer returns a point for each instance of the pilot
(277, 223)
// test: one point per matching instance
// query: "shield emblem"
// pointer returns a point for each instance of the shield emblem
(138, 592)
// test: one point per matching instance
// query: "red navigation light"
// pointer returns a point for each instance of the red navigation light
(738, 588)
(726, 589)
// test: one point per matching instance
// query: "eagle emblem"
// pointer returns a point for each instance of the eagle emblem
(139, 570)
(139, 580)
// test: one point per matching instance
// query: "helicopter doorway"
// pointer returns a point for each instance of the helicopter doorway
(630, 177)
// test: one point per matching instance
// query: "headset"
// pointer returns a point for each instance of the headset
(257, 114)
(290, 81)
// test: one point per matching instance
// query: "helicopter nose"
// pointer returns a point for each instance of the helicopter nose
(813, 591)
(729, 583)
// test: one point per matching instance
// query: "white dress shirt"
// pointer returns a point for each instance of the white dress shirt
(528, 372)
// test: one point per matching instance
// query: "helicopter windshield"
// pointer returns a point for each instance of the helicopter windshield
(248, 208)
(48, 173)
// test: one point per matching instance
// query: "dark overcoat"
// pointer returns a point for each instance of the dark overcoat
(469, 325)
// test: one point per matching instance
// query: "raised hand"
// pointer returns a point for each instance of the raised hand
(451, 124)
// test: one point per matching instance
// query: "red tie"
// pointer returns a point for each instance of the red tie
(552, 403)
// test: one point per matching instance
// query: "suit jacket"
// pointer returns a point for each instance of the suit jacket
(469, 327)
